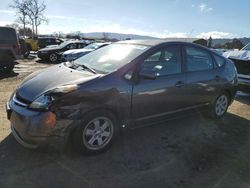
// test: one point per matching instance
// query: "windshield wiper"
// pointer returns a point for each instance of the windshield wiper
(83, 66)
(74, 65)
(88, 68)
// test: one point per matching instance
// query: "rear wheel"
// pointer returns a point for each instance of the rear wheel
(6, 63)
(96, 133)
(220, 106)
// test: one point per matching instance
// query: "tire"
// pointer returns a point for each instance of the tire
(26, 54)
(96, 132)
(220, 106)
(6, 63)
(53, 58)
(27, 51)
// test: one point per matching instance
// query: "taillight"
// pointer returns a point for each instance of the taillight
(17, 48)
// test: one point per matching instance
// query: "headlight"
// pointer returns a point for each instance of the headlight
(64, 89)
(43, 102)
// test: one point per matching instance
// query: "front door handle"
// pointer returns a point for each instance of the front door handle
(179, 84)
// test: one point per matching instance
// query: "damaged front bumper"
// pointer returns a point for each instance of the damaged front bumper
(33, 129)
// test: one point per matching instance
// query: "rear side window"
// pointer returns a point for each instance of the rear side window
(219, 60)
(198, 59)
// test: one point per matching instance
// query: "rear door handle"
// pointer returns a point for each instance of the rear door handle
(179, 84)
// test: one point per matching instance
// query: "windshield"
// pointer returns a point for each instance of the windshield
(247, 47)
(93, 46)
(64, 44)
(111, 57)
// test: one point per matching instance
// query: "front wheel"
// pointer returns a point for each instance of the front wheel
(53, 57)
(96, 133)
(220, 106)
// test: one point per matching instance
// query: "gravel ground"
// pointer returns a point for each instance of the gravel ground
(190, 151)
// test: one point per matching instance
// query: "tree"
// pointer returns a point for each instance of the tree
(210, 42)
(58, 34)
(234, 44)
(30, 12)
(237, 44)
(22, 12)
(14, 25)
(26, 32)
(202, 42)
(105, 36)
(36, 14)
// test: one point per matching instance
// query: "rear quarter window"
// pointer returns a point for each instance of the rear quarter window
(219, 61)
(7, 34)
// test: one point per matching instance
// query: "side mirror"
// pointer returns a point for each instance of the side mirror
(148, 74)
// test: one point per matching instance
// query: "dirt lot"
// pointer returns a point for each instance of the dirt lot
(190, 151)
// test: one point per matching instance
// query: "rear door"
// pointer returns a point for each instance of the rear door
(203, 79)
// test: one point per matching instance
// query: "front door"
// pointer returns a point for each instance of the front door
(155, 98)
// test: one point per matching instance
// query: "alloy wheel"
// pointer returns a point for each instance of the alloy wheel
(53, 57)
(221, 105)
(98, 133)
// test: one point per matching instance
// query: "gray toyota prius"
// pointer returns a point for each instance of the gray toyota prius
(126, 84)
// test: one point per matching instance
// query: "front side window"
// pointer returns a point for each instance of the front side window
(57, 41)
(198, 59)
(81, 45)
(47, 41)
(153, 58)
(72, 46)
(219, 60)
(166, 61)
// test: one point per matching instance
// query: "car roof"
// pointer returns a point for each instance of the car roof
(154, 42)
(101, 43)
(157, 42)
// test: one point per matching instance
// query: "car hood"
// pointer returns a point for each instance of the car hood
(240, 55)
(77, 51)
(50, 48)
(42, 81)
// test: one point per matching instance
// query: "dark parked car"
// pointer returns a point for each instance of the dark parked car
(53, 54)
(34, 44)
(125, 84)
(71, 55)
(9, 49)
(46, 41)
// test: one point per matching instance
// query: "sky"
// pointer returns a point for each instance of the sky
(157, 18)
